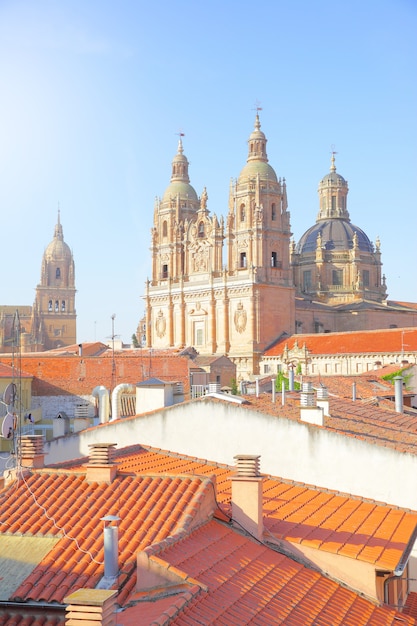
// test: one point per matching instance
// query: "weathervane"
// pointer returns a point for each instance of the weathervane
(257, 106)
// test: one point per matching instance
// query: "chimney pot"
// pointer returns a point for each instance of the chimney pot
(31, 449)
(247, 465)
(100, 468)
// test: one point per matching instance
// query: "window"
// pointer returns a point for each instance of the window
(266, 368)
(165, 271)
(242, 213)
(57, 273)
(273, 212)
(63, 305)
(199, 337)
(337, 277)
(307, 280)
(333, 203)
(274, 260)
(56, 305)
(243, 259)
(201, 229)
(164, 229)
(365, 278)
(50, 305)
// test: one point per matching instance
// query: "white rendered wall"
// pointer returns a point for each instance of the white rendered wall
(302, 452)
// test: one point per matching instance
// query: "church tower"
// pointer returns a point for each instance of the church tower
(234, 306)
(54, 316)
(334, 262)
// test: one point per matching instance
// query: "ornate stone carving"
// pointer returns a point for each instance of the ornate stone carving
(240, 318)
(160, 324)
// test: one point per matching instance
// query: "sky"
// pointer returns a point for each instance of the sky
(93, 94)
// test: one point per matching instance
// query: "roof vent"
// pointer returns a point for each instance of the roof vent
(91, 606)
(247, 465)
(100, 468)
(31, 451)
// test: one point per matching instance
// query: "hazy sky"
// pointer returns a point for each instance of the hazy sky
(93, 94)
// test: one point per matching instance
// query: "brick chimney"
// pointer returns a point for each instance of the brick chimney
(91, 606)
(247, 495)
(31, 451)
(100, 469)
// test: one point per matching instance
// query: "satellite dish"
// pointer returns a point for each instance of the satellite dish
(7, 426)
(9, 395)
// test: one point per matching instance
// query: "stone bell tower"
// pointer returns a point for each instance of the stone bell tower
(54, 315)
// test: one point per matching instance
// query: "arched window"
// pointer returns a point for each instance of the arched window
(243, 259)
(201, 229)
(50, 305)
(242, 213)
(273, 212)
(57, 273)
(63, 305)
(164, 229)
(274, 259)
(56, 305)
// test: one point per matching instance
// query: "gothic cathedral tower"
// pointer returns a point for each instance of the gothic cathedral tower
(234, 306)
(54, 316)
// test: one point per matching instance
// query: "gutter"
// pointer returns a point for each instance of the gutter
(402, 564)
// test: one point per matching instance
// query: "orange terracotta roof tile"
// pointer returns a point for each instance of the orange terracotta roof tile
(353, 342)
(250, 583)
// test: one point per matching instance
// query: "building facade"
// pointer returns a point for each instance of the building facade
(234, 286)
(51, 321)
(231, 306)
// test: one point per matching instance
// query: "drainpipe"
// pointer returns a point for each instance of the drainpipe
(354, 392)
(402, 564)
(102, 394)
(116, 399)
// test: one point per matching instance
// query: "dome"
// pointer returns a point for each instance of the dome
(336, 234)
(57, 249)
(333, 178)
(253, 168)
(185, 191)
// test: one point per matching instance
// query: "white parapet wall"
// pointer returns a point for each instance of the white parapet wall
(217, 431)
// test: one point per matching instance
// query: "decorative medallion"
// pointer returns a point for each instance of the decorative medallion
(240, 318)
(160, 324)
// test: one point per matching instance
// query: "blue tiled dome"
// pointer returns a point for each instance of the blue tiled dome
(336, 234)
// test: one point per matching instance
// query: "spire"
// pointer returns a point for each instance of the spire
(58, 233)
(332, 164)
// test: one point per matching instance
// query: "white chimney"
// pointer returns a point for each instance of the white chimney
(323, 400)
(111, 548)
(247, 495)
(398, 381)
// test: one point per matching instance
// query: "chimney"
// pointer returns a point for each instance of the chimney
(323, 400)
(309, 411)
(398, 381)
(100, 469)
(111, 548)
(31, 451)
(80, 349)
(247, 495)
(91, 606)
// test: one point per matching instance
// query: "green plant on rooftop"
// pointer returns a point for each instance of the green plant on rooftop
(234, 388)
(390, 377)
(135, 341)
(280, 379)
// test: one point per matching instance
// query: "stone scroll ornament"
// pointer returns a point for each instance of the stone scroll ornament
(160, 324)
(240, 318)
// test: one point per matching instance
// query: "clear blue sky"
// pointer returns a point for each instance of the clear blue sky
(94, 92)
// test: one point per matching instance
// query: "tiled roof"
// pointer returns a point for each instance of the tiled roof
(7, 371)
(299, 513)
(158, 495)
(371, 419)
(391, 340)
(250, 583)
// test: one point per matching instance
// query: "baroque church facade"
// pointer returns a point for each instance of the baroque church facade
(234, 286)
(51, 321)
